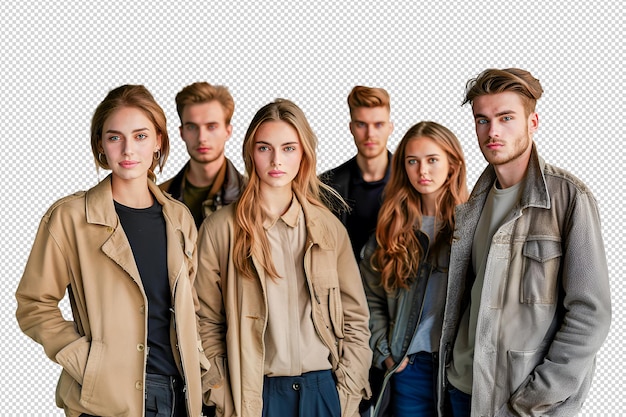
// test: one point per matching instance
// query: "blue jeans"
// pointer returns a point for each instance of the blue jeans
(164, 397)
(460, 402)
(312, 394)
(414, 389)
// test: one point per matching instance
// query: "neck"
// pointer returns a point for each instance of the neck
(203, 174)
(373, 169)
(276, 201)
(512, 172)
(429, 204)
(135, 194)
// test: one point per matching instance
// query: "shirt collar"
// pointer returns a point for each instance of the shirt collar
(290, 217)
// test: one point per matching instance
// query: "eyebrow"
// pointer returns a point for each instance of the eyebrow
(136, 130)
(282, 144)
(498, 114)
(426, 156)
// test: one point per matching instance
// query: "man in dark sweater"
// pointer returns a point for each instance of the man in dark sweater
(361, 180)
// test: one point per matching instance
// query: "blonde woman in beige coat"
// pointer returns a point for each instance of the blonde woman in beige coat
(125, 254)
(283, 315)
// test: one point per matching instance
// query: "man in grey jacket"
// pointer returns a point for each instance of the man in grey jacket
(528, 292)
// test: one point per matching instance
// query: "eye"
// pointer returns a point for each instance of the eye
(191, 127)
(114, 138)
(411, 161)
(141, 136)
(360, 125)
(432, 160)
(290, 148)
(263, 148)
(379, 125)
(481, 121)
(507, 118)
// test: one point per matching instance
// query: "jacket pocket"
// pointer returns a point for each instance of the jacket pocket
(542, 260)
(73, 358)
(521, 364)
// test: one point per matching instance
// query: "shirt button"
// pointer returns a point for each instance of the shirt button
(296, 386)
(138, 385)
(140, 347)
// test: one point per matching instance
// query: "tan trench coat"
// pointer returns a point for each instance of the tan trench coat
(233, 313)
(80, 247)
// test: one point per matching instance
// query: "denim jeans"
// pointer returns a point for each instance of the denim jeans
(312, 394)
(164, 397)
(460, 402)
(414, 389)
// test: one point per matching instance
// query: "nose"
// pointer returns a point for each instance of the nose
(493, 130)
(203, 134)
(275, 159)
(128, 147)
(423, 169)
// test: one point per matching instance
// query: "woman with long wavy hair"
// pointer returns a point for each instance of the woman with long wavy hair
(283, 316)
(405, 266)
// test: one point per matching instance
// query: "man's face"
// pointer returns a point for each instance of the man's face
(205, 131)
(503, 130)
(371, 129)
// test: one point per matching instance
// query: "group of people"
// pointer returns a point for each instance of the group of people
(381, 287)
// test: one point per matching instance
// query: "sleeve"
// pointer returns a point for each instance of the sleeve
(43, 285)
(211, 317)
(377, 303)
(586, 304)
(355, 357)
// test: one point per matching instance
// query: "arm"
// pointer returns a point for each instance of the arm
(377, 303)
(211, 314)
(43, 285)
(566, 371)
(356, 357)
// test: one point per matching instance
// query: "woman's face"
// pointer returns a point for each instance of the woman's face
(129, 141)
(277, 154)
(427, 166)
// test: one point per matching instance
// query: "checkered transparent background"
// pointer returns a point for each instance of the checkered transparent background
(59, 59)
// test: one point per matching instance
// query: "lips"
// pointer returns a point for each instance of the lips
(128, 164)
(494, 145)
(276, 173)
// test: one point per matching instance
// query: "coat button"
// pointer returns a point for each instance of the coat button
(140, 347)
(138, 385)
(109, 229)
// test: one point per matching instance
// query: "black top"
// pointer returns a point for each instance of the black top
(364, 199)
(145, 229)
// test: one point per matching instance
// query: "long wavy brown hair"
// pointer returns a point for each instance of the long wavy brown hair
(398, 253)
(250, 237)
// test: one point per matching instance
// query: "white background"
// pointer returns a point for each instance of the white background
(59, 59)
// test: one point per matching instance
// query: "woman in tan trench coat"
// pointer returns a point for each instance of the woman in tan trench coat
(125, 254)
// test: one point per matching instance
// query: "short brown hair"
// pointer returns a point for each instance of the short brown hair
(361, 96)
(494, 81)
(203, 92)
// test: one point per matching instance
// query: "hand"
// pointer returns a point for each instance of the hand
(389, 363)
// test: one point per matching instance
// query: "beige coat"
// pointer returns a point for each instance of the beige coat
(80, 247)
(233, 313)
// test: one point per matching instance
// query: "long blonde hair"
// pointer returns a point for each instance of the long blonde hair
(398, 253)
(250, 237)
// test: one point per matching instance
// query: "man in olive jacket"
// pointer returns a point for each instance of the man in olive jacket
(528, 291)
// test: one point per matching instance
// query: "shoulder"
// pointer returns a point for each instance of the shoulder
(559, 177)
(70, 206)
(342, 171)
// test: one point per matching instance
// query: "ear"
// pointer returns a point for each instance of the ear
(159, 141)
(391, 128)
(229, 129)
(350, 127)
(533, 122)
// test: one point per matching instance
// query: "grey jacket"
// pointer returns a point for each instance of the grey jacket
(394, 316)
(545, 304)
